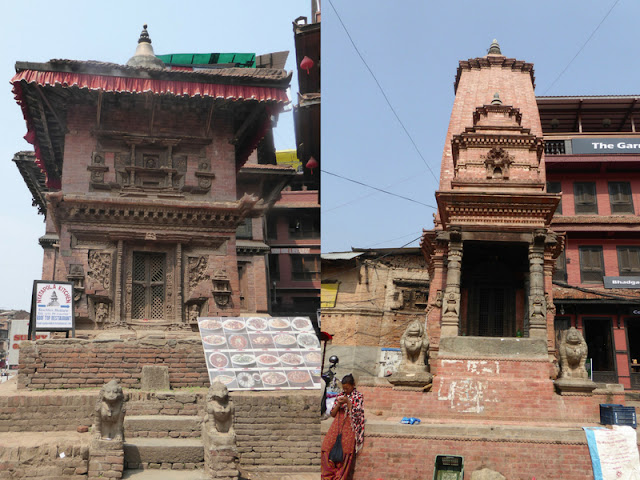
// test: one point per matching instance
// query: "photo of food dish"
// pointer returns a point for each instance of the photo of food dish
(218, 360)
(285, 339)
(243, 359)
(233, 325)
(313, 358)
(273, 378)
(301, 323)
(226, 378)
(291, 359)
(306, 340)
(262, 340)
(250, 379)
(238, 342)
(268, 360)
(257, 324)
(214, 340)
(279, 323)
(298, 376)
(211, 324)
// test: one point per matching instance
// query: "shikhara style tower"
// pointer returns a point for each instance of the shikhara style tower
(491, 254)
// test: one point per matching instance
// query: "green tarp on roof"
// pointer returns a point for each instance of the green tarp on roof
(247, 60)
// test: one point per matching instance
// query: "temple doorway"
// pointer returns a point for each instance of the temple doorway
(599, 338)
(492, 282)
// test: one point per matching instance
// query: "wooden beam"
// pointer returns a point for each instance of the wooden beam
(245, 125)
(47, 137)
(53, 112)
(99, 109)
(627, 115)
(209, 119)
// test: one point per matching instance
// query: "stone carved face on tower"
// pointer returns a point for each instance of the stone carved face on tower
(220, 409)
(497, 162)
(414, 344)
(573, 354)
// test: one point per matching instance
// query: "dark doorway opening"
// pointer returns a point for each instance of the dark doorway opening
(599, 338)
(633, 341)
(492, 273)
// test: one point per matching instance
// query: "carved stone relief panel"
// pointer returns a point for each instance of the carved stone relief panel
(99, 272)
(197, 272)
(122, 160)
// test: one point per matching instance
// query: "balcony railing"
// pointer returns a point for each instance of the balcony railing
(554, 147)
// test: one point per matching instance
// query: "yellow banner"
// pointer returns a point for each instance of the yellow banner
(328, 294)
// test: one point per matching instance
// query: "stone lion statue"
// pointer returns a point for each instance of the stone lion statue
(109, 413)
(220, 409)
(573, 354)
(413, 344)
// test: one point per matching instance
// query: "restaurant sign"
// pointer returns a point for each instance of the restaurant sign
(255, 353)
(599, 146)
(621, 282)
(52, 307)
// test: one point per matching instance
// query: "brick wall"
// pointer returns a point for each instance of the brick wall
(390, 458)
(278, 431)
(74, 363)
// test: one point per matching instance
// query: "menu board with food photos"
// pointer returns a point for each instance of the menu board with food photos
(255, 353)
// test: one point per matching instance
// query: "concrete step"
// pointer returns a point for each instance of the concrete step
(162, 426)
(172, 453)
(160, 474)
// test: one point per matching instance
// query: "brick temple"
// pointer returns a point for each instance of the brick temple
(145, 172)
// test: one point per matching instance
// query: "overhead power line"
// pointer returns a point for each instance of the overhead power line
(581, 48)
(383, 93)
(376, 188)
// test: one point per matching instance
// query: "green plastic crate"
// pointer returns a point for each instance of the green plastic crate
(449, 467)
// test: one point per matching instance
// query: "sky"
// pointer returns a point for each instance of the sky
(37, 31)
(413, 48)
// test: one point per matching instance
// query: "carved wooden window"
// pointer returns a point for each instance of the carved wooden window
(305, 267)
(585, 197)
(148, 286)
(560, 272)
(555, 188)
(629, 261)
(591, 264)
(620, 197)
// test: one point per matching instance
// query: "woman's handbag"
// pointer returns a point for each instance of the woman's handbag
(336, 454)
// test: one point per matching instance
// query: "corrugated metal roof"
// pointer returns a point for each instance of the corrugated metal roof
(340, 255)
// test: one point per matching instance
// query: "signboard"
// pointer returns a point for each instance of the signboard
(302, 251)
(18, 332)
(255, 353)
(601, 146)
(328, 294)
(52, 306)
(621, 282)
(614, 452)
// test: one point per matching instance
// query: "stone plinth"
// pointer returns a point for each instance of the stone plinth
(221, 462)
(574, 386)
(106, 459)
(155, 377)
(411, 379)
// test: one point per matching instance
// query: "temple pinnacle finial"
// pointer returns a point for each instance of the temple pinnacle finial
(144, 56)
(496, 99)
(494, 49)
(144, 35)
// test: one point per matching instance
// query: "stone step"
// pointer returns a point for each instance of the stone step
(164, 474)
(175, 453)
(158, 426)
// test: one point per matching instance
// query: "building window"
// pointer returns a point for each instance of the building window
(585, 197)
(629, 261)
(307, 226)
(272, 228)
(245, 230)
(620, 197)
(591, 264)
(148, 286)
(560, 272)
(305, 267)
(243, 283)
(555, 187)
(274, 267)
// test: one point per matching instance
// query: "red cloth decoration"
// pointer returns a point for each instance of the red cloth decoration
(306, 64)
(311, 164)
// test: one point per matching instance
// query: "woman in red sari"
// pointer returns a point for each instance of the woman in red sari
(348, 413)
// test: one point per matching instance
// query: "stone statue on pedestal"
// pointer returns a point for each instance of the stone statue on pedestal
(412, 371)
(573, 355)
(220, 411)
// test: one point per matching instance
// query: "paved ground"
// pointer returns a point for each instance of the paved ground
(199, 475)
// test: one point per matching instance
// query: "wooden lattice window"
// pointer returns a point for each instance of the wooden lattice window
(591, 264)
(584, 194)
(555, 188)
(148, 286)
(629, 261)
(305, 267)
(620, 197)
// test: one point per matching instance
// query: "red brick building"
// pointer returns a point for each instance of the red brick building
(294, 222)
(592, 152)
(148, 171)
